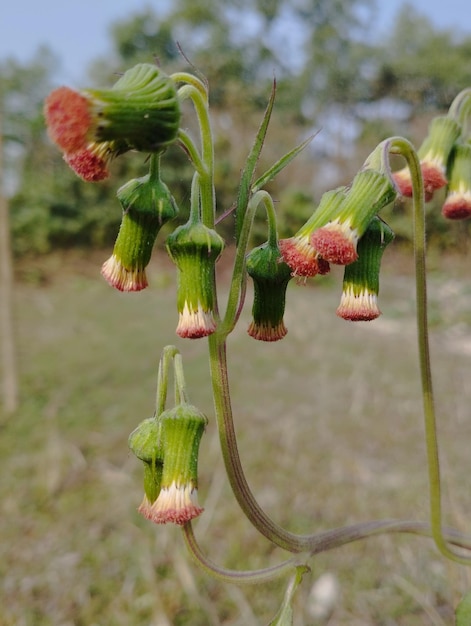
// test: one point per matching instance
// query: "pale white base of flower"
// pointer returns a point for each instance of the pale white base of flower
(195, 324)
(267, 332)
(362, 307)
(177, 504)
(121, 278)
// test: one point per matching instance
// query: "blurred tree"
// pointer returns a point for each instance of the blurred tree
(420, 64)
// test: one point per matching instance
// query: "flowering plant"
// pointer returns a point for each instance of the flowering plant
(143, 112)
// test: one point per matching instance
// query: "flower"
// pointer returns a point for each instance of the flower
(147, 205)
(298, 252)
(337, 241)
(181, 430)
(91, 162)
(270, 277)
(457, 204)
(141, 112)
(194, 249)
(359, 301)
(301, 257)
(433, 154)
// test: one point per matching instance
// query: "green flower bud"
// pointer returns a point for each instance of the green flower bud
(359, 300)
(194, 249)
(270, 277)
(145, 443)
(147, 204)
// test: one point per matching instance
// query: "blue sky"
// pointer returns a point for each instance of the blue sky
(77, 31)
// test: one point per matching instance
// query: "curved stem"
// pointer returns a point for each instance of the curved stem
(404, 148)
(190, 79)
(200, 103)
(264, 575)
(190, 148)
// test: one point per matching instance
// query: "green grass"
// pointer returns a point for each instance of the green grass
(330, 433)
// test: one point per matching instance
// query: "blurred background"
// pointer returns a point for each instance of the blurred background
(340, 444)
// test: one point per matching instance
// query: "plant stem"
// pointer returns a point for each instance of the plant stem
(200, 103)
(403, 147)
(235, 576)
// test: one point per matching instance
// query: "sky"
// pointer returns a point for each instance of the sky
(77, 30)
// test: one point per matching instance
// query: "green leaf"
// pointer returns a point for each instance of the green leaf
(284, 617)
(463, 611)
(251, 163)
(276, 168)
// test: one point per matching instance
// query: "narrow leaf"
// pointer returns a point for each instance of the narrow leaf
(251, 163)
(284, 617)
(276, 168)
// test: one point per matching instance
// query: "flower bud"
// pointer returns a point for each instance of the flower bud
(457, 204)
(298, 252)
(194, 249)
(270, 277)
(145, 443)
(147, 205)
(181, 430)
(141, 112)
(337, 241)
(433, 155)
(359, 300)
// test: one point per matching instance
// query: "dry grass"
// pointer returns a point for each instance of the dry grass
(330, 430)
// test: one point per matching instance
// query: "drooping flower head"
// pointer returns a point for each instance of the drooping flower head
(433, 154)
(181, 429)
(270, 277)
(457, 204)
(141, 112)
(147, 205)
(298, 252)
(359, 301)
(336, 242)
(194, 249)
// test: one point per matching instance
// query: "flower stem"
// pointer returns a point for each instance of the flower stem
(235, 576)
(403, 147)
(200, 102)
(168, 353)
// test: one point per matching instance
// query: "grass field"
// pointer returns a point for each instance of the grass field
(330, 431)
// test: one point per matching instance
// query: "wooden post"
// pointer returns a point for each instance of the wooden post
(7, 333)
